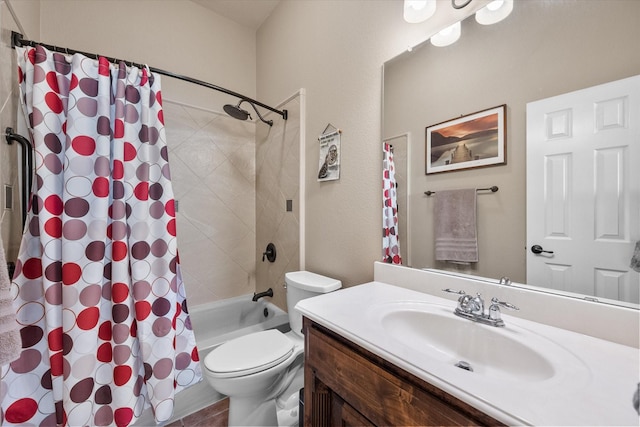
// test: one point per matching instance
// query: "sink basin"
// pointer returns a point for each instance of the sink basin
(509, 353)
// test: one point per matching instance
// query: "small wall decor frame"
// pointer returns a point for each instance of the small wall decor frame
(329, 161)
(472, 141)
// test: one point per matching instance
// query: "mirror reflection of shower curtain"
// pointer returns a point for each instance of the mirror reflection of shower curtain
(99, 294)
(390, 238)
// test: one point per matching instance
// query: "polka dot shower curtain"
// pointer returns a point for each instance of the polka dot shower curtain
(390, 240)
(100, 300)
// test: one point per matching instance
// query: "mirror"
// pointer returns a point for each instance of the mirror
(543, 49)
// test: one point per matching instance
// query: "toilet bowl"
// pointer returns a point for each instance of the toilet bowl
(257, 369)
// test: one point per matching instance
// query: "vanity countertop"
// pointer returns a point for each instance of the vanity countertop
(593, 384)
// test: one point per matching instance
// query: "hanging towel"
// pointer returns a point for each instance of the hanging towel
(635, 259)
(10, 341)
(455, 226)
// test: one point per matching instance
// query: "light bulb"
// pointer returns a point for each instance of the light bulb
(494, 12)
(495, 5)
(447, 36)
(416, 11)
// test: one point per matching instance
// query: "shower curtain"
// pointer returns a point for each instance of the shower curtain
(100, 299)
(390, 238)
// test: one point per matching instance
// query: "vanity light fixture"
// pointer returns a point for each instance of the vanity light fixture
(447, 36)
(416, 11)
(494, 11)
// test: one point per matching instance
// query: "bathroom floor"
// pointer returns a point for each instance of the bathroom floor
(211, 416)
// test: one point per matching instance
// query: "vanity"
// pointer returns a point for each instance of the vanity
(347, 385)
(395, 354)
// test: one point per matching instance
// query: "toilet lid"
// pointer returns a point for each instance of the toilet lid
(250, 353)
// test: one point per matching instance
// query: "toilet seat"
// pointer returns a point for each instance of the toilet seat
(249, 354)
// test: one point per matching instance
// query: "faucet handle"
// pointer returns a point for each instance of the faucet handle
(495, 301)
(453, 291)
(494, 310)
(464, 301)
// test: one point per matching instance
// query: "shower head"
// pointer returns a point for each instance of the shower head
(238, 113)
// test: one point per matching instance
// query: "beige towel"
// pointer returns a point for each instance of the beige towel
(10, 341)
(455, 226)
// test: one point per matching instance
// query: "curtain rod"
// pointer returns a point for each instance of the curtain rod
(18, 40)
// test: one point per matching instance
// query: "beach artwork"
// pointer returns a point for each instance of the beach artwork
(470, 141)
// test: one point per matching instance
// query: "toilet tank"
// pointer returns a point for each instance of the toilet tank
(302, 285)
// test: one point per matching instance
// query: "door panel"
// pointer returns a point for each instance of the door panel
(583, 190)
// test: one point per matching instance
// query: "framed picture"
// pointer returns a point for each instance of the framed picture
(329, 165)
(471, 141)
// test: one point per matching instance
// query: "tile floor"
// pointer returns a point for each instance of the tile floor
(216, 415)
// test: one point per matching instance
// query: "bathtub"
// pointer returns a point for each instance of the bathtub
(213, 324)
(219, 321)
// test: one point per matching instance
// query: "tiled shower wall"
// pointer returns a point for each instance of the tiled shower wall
(212, 160)
(232, 180)
(11, 222)
(278, 180)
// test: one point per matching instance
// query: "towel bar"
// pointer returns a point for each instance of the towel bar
(493, 189)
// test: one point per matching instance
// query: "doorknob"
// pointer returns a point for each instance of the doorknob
(537, 249)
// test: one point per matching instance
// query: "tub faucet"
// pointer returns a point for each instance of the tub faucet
(267, 293)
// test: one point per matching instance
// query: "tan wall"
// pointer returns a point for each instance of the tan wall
(335, 50)
(174, 35)
(28, 14)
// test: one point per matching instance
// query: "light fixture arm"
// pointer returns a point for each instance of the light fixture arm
(461, 5)
(269, 122)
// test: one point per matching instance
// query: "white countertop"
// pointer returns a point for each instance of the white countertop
(593, 386)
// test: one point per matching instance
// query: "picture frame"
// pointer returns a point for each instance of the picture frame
(471, 141)
(329, 158)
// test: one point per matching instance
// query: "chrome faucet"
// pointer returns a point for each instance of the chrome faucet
(477, 306)
(504, 280)
(472, 308)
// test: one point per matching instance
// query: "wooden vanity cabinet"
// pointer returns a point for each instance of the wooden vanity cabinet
(346, 385)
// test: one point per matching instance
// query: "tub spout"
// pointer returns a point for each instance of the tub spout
(267, 293)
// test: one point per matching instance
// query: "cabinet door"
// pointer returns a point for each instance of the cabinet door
(344, 415)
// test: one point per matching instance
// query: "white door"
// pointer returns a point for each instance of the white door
(583, 190)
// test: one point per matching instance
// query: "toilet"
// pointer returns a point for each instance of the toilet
(262, 372)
